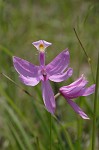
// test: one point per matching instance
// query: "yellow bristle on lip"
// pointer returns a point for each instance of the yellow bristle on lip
(41, 47)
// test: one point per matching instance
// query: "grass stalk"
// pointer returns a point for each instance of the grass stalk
(37, 142)
(88, 58)
(95, 107)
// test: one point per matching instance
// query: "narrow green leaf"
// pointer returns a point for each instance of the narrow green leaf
(8, 52)
(16, 136)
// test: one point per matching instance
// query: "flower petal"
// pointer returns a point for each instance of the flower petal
(25, 68)
(77, 109)
(87, 91)
(73, 90)
(79, 82)
(29, 73)
(59, 64)
(78, 92)
(61, 77)
(48, 96)
(29, 81)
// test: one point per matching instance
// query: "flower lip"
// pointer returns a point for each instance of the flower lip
(41, 45)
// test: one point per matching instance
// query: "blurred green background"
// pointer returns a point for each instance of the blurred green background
(24, 123)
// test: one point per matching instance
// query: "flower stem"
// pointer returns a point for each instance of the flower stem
(95, 106)
(57, 95)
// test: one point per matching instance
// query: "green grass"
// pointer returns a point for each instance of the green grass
(24, 122)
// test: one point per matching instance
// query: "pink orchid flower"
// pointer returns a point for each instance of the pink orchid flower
(31, 74)
(75, 90)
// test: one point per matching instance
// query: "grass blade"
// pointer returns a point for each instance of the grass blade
(18, 125)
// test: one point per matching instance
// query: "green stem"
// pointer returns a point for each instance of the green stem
(88, 58)
(37, 142)
(50, 131)
(3, 74)
(79, 132)
(95, 106)
(57, 95)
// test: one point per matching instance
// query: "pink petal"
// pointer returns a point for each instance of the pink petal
(62, 76)
(29, 81)
(73, 90)
(80, 81)
(27, 71)
(48, 96)
(59, 64)
(47, 43)
(79, 91)
(25, 68)
(87, 91)
(77, 109)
